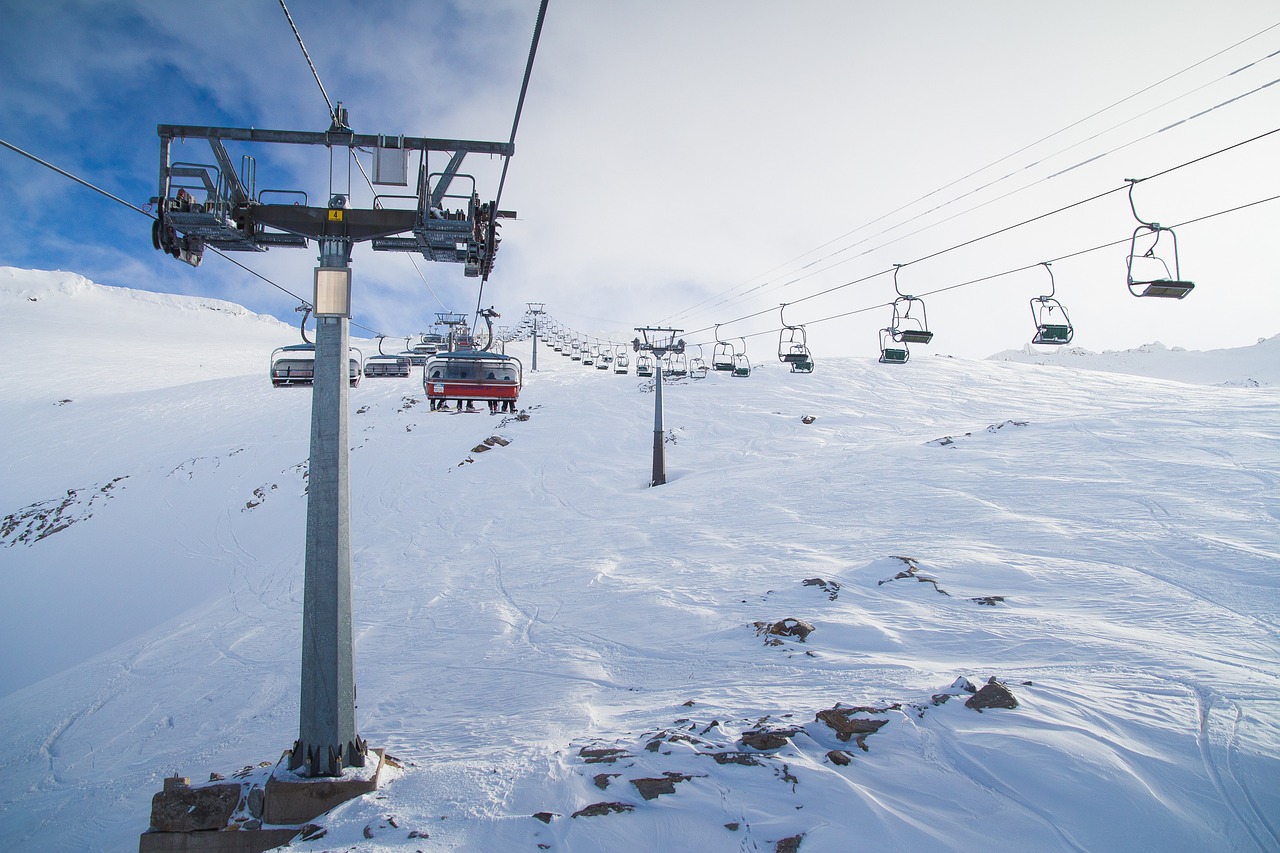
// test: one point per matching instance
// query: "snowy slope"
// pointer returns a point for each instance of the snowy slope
(1243, 366)
(1106, 545)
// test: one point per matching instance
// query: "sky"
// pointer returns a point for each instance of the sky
(687, 164)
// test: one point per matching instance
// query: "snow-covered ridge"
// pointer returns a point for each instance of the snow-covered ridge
(1248, 367)
(83, 338)
(17, 285)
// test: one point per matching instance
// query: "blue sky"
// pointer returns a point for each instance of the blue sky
(694, 163)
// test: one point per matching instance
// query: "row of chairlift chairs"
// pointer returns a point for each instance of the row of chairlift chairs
(1149, 274)
(462, 373)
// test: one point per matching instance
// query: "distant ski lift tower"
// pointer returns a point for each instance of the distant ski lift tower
(658, 341)
(537, 310)
(215, 204)
(451, 320)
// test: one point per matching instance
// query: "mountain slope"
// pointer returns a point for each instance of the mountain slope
(1104, 545)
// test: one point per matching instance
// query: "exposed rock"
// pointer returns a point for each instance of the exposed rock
(183, 809)
(912, 571)
(256, 800)
(789, 845)
(992, 695)
(598, 809)
(601, 780)
(770, 739)
(732, 827)
(744, 758)
(848, 726)
(653, 788)
(839, 757)
(601, 754)
(807, 419)
(788, 627)
(991, 600)
(831, 588)
(545, 817)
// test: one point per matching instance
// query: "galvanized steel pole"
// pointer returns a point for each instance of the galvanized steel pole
(327, 739)
(659, 446)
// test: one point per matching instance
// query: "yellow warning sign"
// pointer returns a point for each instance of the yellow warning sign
(335, 215)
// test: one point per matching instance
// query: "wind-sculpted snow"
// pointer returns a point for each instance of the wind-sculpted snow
(561, 656)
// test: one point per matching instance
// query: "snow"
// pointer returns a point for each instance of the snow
(521, 611)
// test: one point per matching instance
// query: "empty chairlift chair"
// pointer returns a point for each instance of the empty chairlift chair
(620, 361)
(722, 353)
(741, 364)
(644, 364)
(295, 364)
(1053, 326)
(677, 365)
(910, 320)
(892, 349)
(386, 364)
(697, 365)
(793, 348)
(1149, 273)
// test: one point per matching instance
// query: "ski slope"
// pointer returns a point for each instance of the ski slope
(538, 633)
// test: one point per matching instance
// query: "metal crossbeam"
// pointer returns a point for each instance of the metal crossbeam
(332, 138)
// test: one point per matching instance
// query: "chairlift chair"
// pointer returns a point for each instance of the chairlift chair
(722, 353)
(697, 365)
(473, 375)
(792, 341)
(295, 365)
(793, 346)
(677, 365)
(909, 327)
(620, 361)
(386, 364)
(741, 364)
(1042, 311)
(890, 354)
(644, 364)
(1169, 285)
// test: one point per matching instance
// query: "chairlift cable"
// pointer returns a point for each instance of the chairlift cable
(152, 216)
(80, 181)
(1013, 154)
(506, 159)
(778, 285)
(332, 115)
(1008, 228)
(996, 275)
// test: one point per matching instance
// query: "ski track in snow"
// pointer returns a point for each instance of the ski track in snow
(513, 608)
